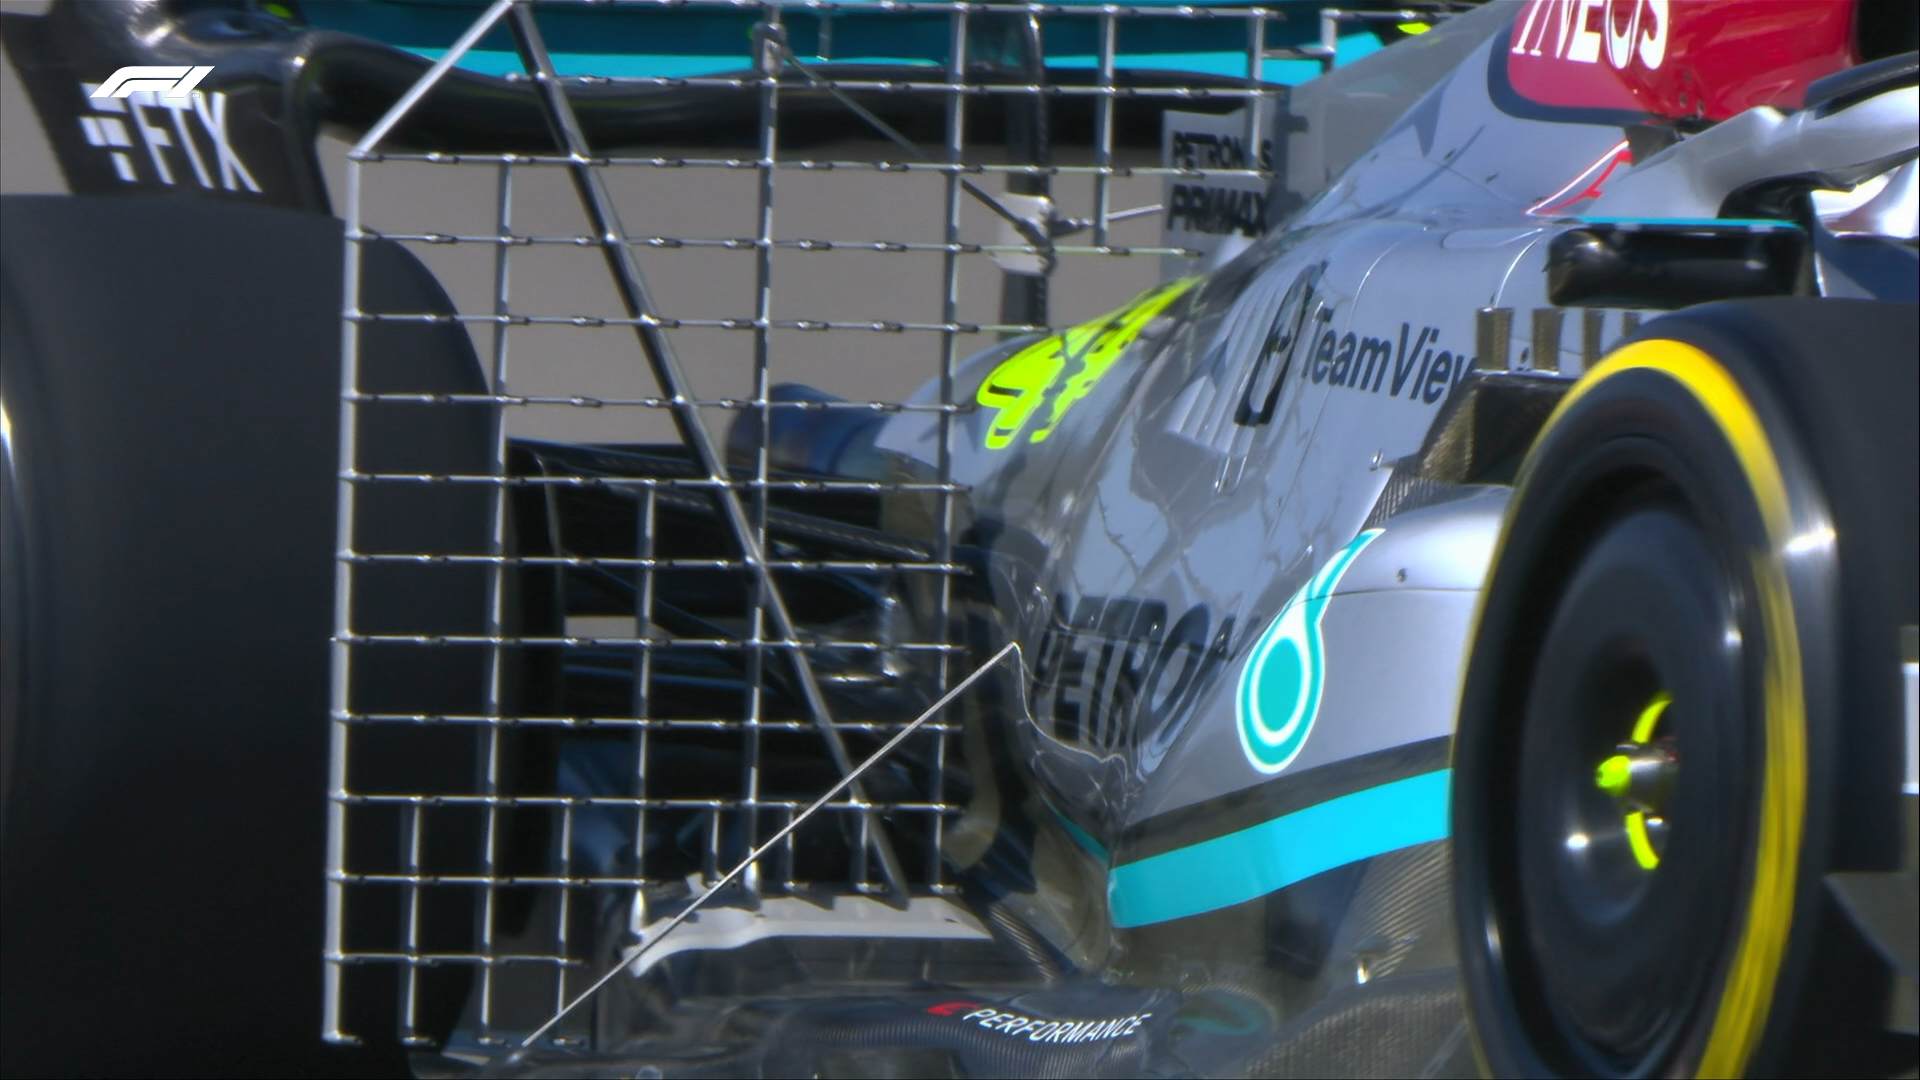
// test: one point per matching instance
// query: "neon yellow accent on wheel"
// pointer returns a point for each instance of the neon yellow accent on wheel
(1650, 717)
(1640, 842)
(1751, 978)
(1614, 775)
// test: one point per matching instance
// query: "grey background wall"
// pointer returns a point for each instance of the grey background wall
(694, 283)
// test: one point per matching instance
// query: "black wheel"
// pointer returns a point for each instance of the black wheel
(1682, 710)
(170, 376)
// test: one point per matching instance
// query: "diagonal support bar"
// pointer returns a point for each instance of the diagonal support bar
(1040, 238)
(425, 84)
(851, 779)
(597, 202)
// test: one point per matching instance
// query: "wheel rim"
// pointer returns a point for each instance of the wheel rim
(1660, 422)
(1635, 771)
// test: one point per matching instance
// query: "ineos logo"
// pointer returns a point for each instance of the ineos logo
(1563, 29)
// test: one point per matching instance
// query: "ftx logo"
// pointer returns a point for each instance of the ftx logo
(175, 122)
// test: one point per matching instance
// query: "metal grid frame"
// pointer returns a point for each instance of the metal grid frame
(743, 502)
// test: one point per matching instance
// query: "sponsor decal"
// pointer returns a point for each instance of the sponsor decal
(177, 126)
(1625, 32)
(170, 82)
(1058, 371)
(1280, 687)
(1659, 58)
(1039, 1030)
(1411, 366)
(1104, 660)
(1215, 211)
(1283, 339)
(950, 1008)
(1205, 213)
(1218, 149)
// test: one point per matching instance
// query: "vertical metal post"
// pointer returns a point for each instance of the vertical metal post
(956, 105)
(1023, 297)
(1256, 100)
(563, 915)
(769, 39)
(413, 829)
(340, 701)
(1103, 132)
(340, 689)
(644, 550)
(496, 593)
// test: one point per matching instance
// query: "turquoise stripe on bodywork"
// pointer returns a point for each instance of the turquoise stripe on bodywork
(1272, 855)
(498, 62)
(1080, 836)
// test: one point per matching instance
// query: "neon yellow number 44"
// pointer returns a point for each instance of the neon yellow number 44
(1022, 383)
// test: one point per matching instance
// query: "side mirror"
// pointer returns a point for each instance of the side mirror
(1668, 265)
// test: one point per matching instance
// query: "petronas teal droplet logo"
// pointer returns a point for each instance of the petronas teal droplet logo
(1280, 687)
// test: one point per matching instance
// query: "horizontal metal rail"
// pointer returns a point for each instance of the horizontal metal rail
(661, 403)
(885, 165)
(643, 483)
(750, 244)
(658, 323)
(610, 562)
(620, 722)
(638, 643)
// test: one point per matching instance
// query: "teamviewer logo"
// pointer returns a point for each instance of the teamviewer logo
(169, 82)
(192, 130)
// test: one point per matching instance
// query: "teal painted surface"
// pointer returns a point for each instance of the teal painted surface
(630, 65)
(681, 66)
(641, 42)
(1080, 836)
(1264, 858)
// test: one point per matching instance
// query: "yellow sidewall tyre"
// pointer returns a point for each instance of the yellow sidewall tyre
(1721, 515)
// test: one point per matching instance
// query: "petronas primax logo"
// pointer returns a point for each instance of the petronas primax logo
(1280, 686)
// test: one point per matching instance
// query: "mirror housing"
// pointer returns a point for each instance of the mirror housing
(1668, 264)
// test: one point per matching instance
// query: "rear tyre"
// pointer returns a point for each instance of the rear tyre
(169, 370)
(1682, 707)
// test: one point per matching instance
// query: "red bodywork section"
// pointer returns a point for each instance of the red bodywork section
(1677, 58)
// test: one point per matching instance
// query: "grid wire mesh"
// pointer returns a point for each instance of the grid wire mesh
(456, 821)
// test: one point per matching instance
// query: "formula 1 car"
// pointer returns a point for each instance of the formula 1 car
(1469, 629)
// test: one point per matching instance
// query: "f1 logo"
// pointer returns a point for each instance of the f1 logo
(172, 82)
(134, 96)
